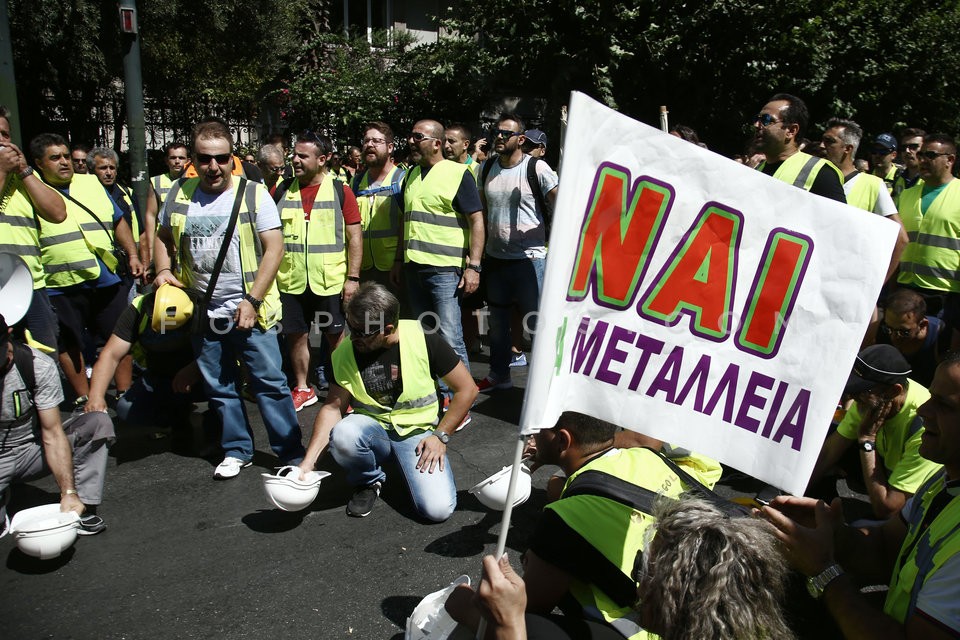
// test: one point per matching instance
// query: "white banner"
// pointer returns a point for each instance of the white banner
(698, 301)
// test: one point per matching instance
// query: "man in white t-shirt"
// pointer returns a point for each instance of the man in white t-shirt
(863, 190)
(245, 303)
(516, 247)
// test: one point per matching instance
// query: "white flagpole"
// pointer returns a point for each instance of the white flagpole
(505, 521)
(663, 119)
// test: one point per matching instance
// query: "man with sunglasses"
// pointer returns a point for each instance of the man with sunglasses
(910, 142)
(243, 301)
(779, 127)
(922, 339)
(884, 427)
(882, 155)
(385, 371)
(516, 250)
(930, 210)
(320, 270)
(442, 238)
(865, 191)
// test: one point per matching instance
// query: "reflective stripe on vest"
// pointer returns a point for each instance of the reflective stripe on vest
(251, 250)
(936, 545)
(434, 233)
(931, 259)
(416, 408)
(864, 192)
(69, 250)
(801, 170)
(18, 228)
(314, 251)
(379, 219)
(594, 517)
(161, 186)
(134, 221)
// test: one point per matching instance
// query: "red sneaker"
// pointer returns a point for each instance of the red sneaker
(489, 384)
(303, 398)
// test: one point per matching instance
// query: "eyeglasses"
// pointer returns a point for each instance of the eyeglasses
(416, 136)
(899, 333)
(374, 141)
(504, 133)
(913, 146)
(765, 119)
(278, 169)
(932, 155)
(205, 158)
(357, 334)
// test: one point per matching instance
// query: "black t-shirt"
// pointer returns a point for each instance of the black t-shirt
(826, 184)
(381, 373)
(166, 353)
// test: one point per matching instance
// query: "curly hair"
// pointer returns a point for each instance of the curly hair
(709, 576)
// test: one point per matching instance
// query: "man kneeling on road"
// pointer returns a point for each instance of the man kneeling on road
(386, 371)
(34, 441)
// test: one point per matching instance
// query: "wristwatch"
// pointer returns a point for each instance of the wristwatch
(868, 446)
(816, 584)
(442, 437)
(26, 173)
(475, 267)
(254, 301)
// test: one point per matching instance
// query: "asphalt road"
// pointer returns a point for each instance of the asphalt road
(187, 557)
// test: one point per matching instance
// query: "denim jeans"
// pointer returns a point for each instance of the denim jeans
(435, 292)
(220, 347)
(510, 283)
(361, 445)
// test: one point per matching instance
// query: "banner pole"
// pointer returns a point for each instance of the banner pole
(505, 520)
(663, 119)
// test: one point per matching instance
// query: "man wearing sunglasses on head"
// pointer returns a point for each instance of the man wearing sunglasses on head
(219, 236)
(930, 211)
(441, 239)
(385, 371)
(778, 129)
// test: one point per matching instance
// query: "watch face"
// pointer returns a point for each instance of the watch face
(812, 589)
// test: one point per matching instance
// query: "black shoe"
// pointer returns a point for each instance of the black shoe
(361, 504)
(91, 525)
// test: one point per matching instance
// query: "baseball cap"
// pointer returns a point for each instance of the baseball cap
(536, 136)
(885, 141)
(877, 364)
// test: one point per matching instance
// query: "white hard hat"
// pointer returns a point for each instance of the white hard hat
(44, 532)
(492, 492)
(286, 491)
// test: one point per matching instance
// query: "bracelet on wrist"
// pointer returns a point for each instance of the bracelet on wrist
(69, 492)
(353, 279)
(162, 270)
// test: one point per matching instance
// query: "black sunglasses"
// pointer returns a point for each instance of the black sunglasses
(932, 155)
(221, 158)
(900, 333)
(357, 334)
(766, 119)
(506, 133)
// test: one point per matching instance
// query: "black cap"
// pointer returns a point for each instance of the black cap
(877, 364)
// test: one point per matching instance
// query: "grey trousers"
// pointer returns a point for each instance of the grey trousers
(90, 435)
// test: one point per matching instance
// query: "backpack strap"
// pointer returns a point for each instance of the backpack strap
(338, 190)
(282, 189)
(23, 360)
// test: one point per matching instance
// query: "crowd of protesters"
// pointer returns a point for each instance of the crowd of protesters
(299, 272)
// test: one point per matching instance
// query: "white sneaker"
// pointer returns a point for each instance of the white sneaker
(229, 468)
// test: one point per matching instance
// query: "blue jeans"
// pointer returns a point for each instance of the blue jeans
(361, 445)
(510, 283)
(435, 292)
(220, 348)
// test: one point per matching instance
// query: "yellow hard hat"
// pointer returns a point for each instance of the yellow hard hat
(172, 308)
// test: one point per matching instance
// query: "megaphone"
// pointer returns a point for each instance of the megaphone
(16, 287)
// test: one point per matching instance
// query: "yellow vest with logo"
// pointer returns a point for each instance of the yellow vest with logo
(927, 551)
(251, 250)
(614, 529)
(801, 170)
(417, 406)
(314, 252)
(69, 249)
(380, 220)
(161, 186)
(865, 191)
(931, 260)
(18, 228)
(434, 233)
(134, 222)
